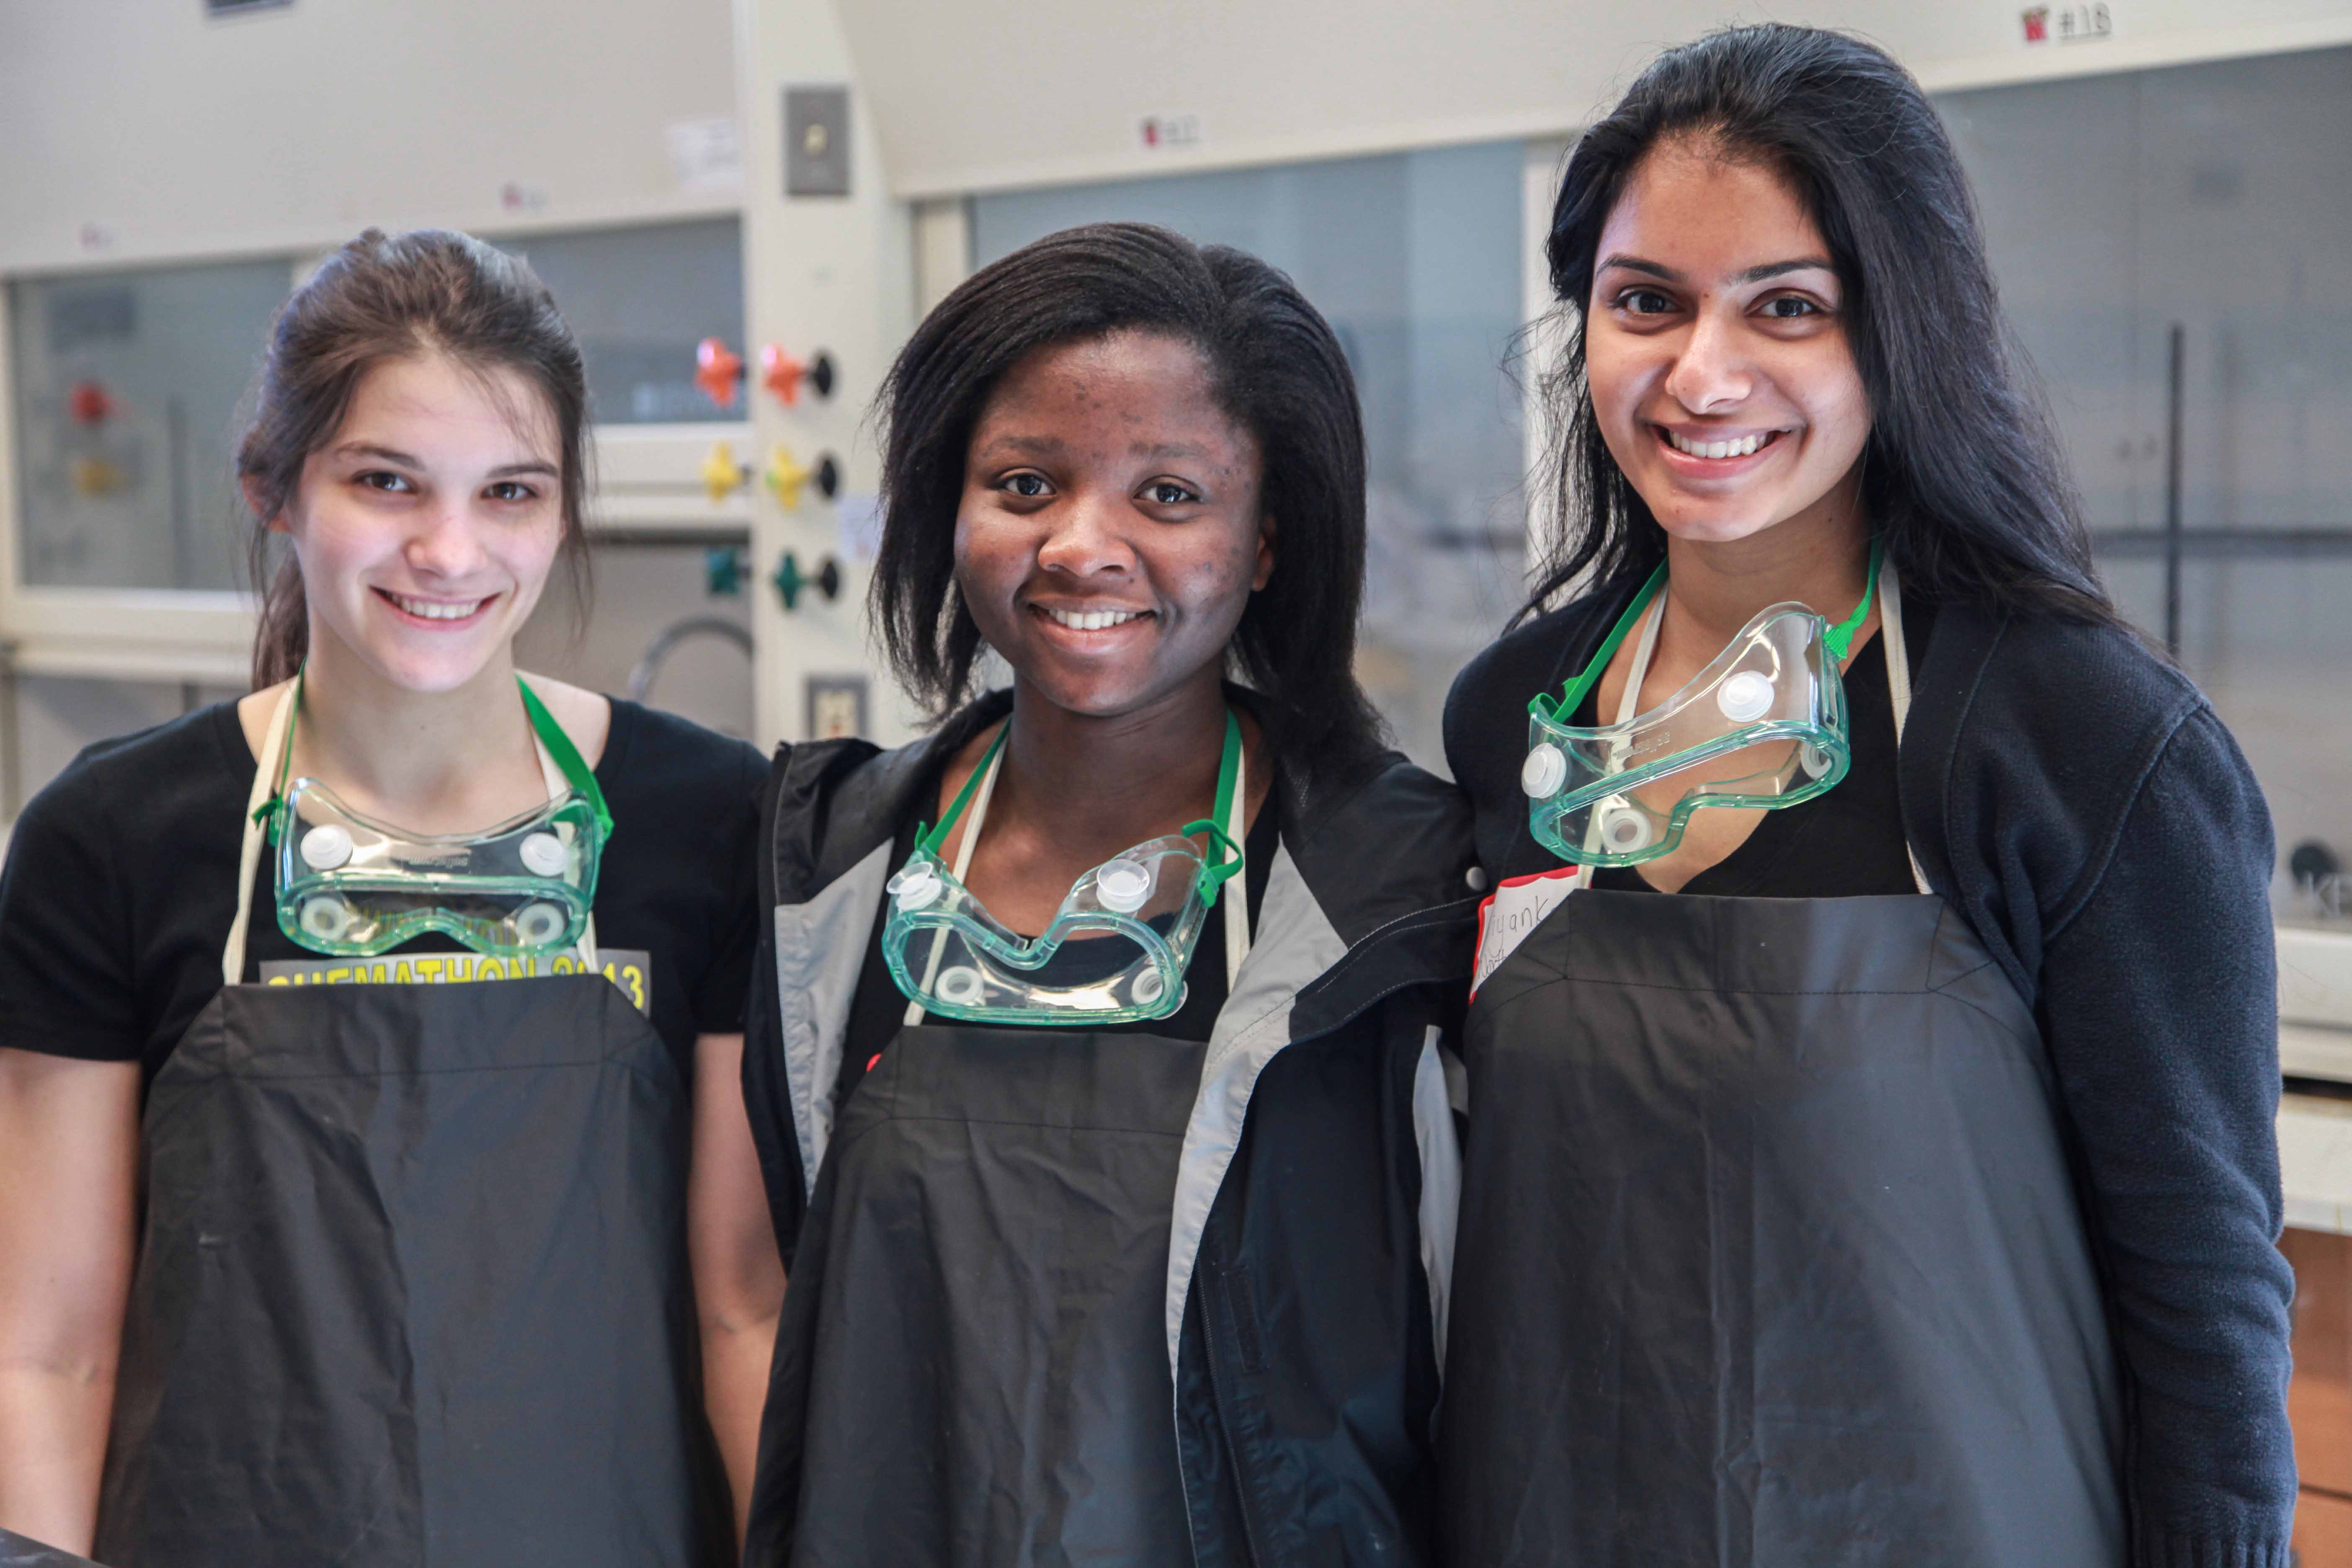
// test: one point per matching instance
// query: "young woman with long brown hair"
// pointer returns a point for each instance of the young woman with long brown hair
(404, 1000)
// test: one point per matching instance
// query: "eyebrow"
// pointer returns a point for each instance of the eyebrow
(1172, 450)
(1753, 274)
(409, 460)
(1038, 445)
(368, 450)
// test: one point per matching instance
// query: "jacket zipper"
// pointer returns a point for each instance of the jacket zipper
(1253, 1546)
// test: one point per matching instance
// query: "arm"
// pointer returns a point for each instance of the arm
(2161, 1010)
(738, 1278)
(69, 1194)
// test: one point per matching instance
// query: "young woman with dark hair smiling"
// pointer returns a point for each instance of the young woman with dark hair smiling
(371, 1131)
(1871, 1063)
(1095, 1066)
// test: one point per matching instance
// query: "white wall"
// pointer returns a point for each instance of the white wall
(165, 134)
(999, 93)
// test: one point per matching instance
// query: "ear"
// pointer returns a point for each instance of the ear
(1265, 572)
(276, 522)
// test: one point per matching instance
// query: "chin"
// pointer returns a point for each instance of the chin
(1094, 694)
(1712, 527)
(432, 671)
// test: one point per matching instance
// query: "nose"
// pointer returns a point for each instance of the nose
(447, 543)
(1086, 537)
(1711, 372)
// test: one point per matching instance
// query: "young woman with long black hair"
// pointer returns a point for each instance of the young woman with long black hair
(1873, 1061)
(370, 1127)
(1094, 1063)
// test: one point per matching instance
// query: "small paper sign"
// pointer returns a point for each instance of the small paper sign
(1511, 914)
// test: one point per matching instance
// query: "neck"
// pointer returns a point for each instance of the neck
(1819, 558)
(415, 756)
(1116, 780)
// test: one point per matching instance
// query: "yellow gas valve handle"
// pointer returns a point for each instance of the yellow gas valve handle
(721, 474)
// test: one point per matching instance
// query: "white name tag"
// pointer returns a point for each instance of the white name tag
(1511, 914)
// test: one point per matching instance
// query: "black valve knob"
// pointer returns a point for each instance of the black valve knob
(790, 581)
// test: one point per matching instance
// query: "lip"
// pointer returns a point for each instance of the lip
(1684, 465)
(434, 623)
(1041, 613)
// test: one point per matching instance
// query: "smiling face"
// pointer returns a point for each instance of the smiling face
(426, 525)
(1717, 351)
(1109, 533)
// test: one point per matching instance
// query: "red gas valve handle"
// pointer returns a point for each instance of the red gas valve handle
(783, 374)
(718, 370)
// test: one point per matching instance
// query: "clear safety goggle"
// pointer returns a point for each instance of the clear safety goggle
(353, 887)
(1762, 726)
(1116, 951)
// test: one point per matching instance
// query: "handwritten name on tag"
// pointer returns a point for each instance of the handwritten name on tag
(1511, 915)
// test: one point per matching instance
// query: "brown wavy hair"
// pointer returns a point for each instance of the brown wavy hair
(385, 296)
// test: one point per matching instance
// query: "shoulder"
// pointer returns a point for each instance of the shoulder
(2034, 741)
(648, 751)
(2077, 712)
(1525, 660)
(828, 803)
(1487, 719)
(1389, 839)
(163, 799)
(586, 716)
(153, 775)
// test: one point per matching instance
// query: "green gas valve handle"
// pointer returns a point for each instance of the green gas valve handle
(790, 582)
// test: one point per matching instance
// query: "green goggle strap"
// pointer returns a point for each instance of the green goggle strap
(568, 760)
(1559, 710)
(574, 766)
(1839, 638)
(1211, 877)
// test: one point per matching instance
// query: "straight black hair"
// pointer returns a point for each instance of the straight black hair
(1276, 370)
(1962, 472)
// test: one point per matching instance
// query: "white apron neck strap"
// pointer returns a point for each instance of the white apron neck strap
(1629, 703)
(248, 860)
(1235, 896)
(969, 831)
(1898, 682)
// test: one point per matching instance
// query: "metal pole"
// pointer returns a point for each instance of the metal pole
(2172, 540)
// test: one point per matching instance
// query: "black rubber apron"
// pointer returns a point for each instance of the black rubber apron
(1770, 1253)
(972, 1365)
(412, 1286)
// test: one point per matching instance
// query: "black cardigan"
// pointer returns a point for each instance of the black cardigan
(2079, 802)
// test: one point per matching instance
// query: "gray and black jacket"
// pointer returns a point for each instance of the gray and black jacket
(1312, 1239)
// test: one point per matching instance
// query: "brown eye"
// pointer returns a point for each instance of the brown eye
(379, 480)
(510, 490)
(1029, 486)
(1168, 492)
(1645, 302)
(1791, 308)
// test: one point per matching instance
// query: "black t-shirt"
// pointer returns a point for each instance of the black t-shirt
(878, 1008)
(121, 885)
(1845, 843)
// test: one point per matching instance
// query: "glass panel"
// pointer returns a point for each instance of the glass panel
(1414, 259)
(652, 628)
(128, 387)
(2214, 197)
(640, 298)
